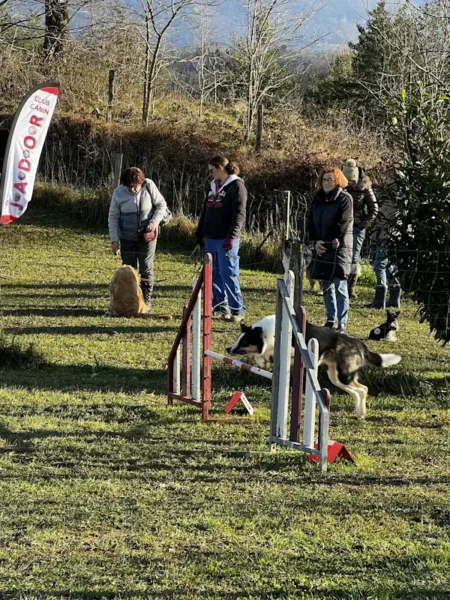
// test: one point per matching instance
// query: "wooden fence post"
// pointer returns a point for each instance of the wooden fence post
(118, 158)
(259, 127)
(112, 75)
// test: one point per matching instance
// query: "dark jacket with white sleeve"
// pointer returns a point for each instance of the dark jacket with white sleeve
(223, 215)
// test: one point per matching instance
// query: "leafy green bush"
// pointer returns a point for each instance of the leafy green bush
(420, 123)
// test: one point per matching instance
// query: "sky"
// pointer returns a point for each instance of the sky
(335, 23)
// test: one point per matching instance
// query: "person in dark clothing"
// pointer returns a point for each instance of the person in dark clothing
(331, 230)
(365, 210)
(386, 271)
(219, 230)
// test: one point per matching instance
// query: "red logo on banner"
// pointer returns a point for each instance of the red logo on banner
(25, 143)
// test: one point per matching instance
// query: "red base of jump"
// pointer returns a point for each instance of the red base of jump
(235, 399)
(335, 450)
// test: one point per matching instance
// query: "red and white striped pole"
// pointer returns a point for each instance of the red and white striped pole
(239, 364)
(207, 335)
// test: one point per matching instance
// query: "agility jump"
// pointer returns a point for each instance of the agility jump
(190, 378)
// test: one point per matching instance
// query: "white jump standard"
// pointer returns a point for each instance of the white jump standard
(189, 370)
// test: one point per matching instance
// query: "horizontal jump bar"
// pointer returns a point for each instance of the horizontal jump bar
(238, 364)
(182, 398)
(293, 445)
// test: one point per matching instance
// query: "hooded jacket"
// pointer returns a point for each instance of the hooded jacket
(365, 207)
(331, 217)
(223, 214)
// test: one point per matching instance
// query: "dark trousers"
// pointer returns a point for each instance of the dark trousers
(142, 255)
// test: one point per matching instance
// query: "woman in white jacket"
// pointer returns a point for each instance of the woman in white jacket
(137, 208)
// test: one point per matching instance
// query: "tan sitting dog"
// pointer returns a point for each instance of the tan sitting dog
(126, 299)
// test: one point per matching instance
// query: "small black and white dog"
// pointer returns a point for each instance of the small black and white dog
(386, 331)
(343, 355)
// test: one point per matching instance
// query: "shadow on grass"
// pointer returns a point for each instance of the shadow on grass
(89, 330)
(61, 311)
(87, 377)
(57, 295)
(403, 383)
(56, 311)
(55, 286)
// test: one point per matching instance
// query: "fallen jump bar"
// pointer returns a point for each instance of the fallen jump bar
(239, 364)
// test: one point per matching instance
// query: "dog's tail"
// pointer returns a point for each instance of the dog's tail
(149, 315)
(382, 360)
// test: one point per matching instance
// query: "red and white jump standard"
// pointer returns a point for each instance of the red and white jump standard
(189, 369)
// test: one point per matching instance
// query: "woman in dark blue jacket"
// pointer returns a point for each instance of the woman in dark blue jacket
(331, 227)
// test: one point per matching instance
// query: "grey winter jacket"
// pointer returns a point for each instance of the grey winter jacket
(331, 218)
(123, 219)
(365, 206)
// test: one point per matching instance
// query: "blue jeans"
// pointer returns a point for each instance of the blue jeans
(385, 271)
(226, 288)
(359, 235)
(337, 304)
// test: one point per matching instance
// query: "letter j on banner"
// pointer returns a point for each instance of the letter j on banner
(23, 151)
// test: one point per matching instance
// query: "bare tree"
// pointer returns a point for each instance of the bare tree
(206, 63)
(415, 45)
(209, 62)
(56, 27)
(274, 35)
(13, 17)
(155, 19)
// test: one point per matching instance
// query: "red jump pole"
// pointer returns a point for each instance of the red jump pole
(179, 338)
(207, 334)
(186, 361)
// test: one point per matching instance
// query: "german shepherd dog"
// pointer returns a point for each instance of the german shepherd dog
(343, 355)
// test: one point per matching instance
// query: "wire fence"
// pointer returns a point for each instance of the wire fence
(88, 166)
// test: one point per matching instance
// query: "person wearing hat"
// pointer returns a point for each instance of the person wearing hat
(365, 210)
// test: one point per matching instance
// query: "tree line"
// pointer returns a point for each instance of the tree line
(393, 80)
(77, 40)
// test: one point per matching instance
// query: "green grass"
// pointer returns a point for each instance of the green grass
(106, 492)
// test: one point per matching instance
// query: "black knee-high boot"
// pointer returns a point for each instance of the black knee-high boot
(147, 293)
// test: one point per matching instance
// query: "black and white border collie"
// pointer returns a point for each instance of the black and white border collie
(343, 355)
(386, 331)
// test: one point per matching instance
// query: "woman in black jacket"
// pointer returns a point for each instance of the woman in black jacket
(219, 230)
(331, 227)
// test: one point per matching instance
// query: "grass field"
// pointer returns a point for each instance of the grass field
(106, 492)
